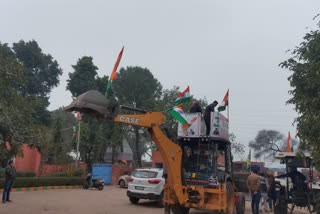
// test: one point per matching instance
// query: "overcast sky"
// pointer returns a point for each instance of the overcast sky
(209, 45)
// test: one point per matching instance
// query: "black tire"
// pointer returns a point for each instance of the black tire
(282, 207)
(100, 187)
(316, 201)
(134, 200)
(160, 202)
(241, 207)
(177, 209)
(122, 184)
(85, 186)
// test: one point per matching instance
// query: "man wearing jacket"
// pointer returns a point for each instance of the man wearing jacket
(253, 183)
(10, 178)
(207, 115)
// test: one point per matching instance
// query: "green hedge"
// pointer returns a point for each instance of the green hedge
(44, 181)
(19, 174)
(2, 170)
(57, 174)
(26, 174)
(67, 173)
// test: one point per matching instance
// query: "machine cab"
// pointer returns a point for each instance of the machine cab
(206, 160)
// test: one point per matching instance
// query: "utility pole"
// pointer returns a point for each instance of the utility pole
(78, 140)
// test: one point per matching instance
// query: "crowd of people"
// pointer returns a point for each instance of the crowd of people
(265, 191)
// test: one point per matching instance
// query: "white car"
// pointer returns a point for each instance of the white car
(146, 184)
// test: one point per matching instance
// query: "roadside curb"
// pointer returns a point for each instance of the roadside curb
(42, 188)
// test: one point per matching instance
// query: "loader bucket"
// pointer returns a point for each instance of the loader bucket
(94, 104)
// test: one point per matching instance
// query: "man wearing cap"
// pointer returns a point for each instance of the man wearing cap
(10, 178)
(195, 108)
(207, 114)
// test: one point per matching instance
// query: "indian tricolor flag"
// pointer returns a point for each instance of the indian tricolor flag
(224, 102)
(114, 74)
(183, 97)
(178, 113)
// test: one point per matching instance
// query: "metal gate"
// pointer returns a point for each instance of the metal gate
(103, 171)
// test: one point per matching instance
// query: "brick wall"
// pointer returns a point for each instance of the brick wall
(157, 158)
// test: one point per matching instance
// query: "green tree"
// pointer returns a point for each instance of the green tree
(268, 142)
(61, 134)
(137, 87)
(68, 126)
(95, 135)
(84, 77)
(305, 82)
(116, 139)
(16, 110)
(57, 148)
(42, 76)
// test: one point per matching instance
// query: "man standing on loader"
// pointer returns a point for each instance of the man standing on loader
(207, 114)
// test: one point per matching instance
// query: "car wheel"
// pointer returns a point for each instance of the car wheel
(316, 200)
(100, 187)
(160, 202)
(282, 207)
(134, 200)
(122, 184)
(241, 206)
(177, 209)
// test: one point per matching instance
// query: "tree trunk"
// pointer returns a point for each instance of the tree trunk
(112, 154)
(137, 146)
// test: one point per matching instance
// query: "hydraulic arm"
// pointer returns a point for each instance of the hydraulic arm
(94, 104)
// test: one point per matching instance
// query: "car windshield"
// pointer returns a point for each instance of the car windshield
(145, 174)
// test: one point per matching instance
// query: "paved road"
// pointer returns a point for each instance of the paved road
(112, 200)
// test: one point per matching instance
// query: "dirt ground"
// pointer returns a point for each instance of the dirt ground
(111, 200)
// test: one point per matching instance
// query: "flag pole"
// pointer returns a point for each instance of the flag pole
(78, 141)
(228, 105)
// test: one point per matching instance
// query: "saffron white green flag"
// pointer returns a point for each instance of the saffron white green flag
(178, 113)
(224, 102)
(249, 159)
(183, 97)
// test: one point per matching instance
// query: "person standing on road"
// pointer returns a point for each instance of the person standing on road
(264, 192)
(274, 191)
(253, 183)
(207, 114)
(269, 179)
(9, 181)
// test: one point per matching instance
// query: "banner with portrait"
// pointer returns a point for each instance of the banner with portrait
(193, 128)
(219, 126)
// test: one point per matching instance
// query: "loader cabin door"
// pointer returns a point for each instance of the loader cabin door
(203, 159)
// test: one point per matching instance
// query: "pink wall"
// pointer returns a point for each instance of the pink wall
(47, 169)
(30, 161)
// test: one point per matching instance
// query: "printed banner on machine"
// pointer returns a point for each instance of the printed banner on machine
(193, 130)
(219, 125)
